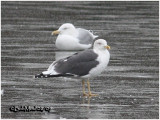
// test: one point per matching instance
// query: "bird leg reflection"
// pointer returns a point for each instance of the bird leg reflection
(88, 102)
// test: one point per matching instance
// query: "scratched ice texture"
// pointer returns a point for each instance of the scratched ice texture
(128, 88)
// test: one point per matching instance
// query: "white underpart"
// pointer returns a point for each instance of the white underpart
(103, 59)
(68, 42)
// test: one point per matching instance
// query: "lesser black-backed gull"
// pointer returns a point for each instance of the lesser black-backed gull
(85, 64)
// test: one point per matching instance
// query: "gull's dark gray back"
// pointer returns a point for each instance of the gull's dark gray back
(78, 64)
(84, 36)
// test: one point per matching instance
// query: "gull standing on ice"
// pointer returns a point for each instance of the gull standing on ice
(71, 38)
(86, 64)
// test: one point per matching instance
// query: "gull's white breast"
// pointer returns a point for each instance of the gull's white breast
(67, 42)
(103, 59)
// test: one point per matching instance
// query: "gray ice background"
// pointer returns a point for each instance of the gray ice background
(128, 88)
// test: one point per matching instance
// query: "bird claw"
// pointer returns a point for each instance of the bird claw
(90, 95)
(85, 94)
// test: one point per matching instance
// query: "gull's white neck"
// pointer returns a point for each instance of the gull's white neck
(103, 54)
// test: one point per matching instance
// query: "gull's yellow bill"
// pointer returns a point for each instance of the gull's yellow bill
(55, 32)
(107, 47)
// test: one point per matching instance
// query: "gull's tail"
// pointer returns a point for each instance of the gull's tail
(52, 73)
(93, 34)
(48, 76)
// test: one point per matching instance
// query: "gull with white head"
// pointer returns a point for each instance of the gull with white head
(86, 64)
(71, 38)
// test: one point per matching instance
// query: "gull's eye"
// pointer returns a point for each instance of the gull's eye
(65, 28)
(99, 43)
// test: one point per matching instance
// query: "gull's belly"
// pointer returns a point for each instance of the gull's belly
(99, 69)
(66, 42)
(103, 60)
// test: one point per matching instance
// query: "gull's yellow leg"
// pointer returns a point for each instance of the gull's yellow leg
(83, 85)
(89, 91)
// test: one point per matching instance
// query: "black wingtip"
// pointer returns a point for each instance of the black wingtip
(47, 76)
(41, 76)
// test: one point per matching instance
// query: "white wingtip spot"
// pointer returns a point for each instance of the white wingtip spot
(65, 60)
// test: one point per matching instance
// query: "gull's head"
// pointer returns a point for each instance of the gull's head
(101, 44)
(66, 28)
